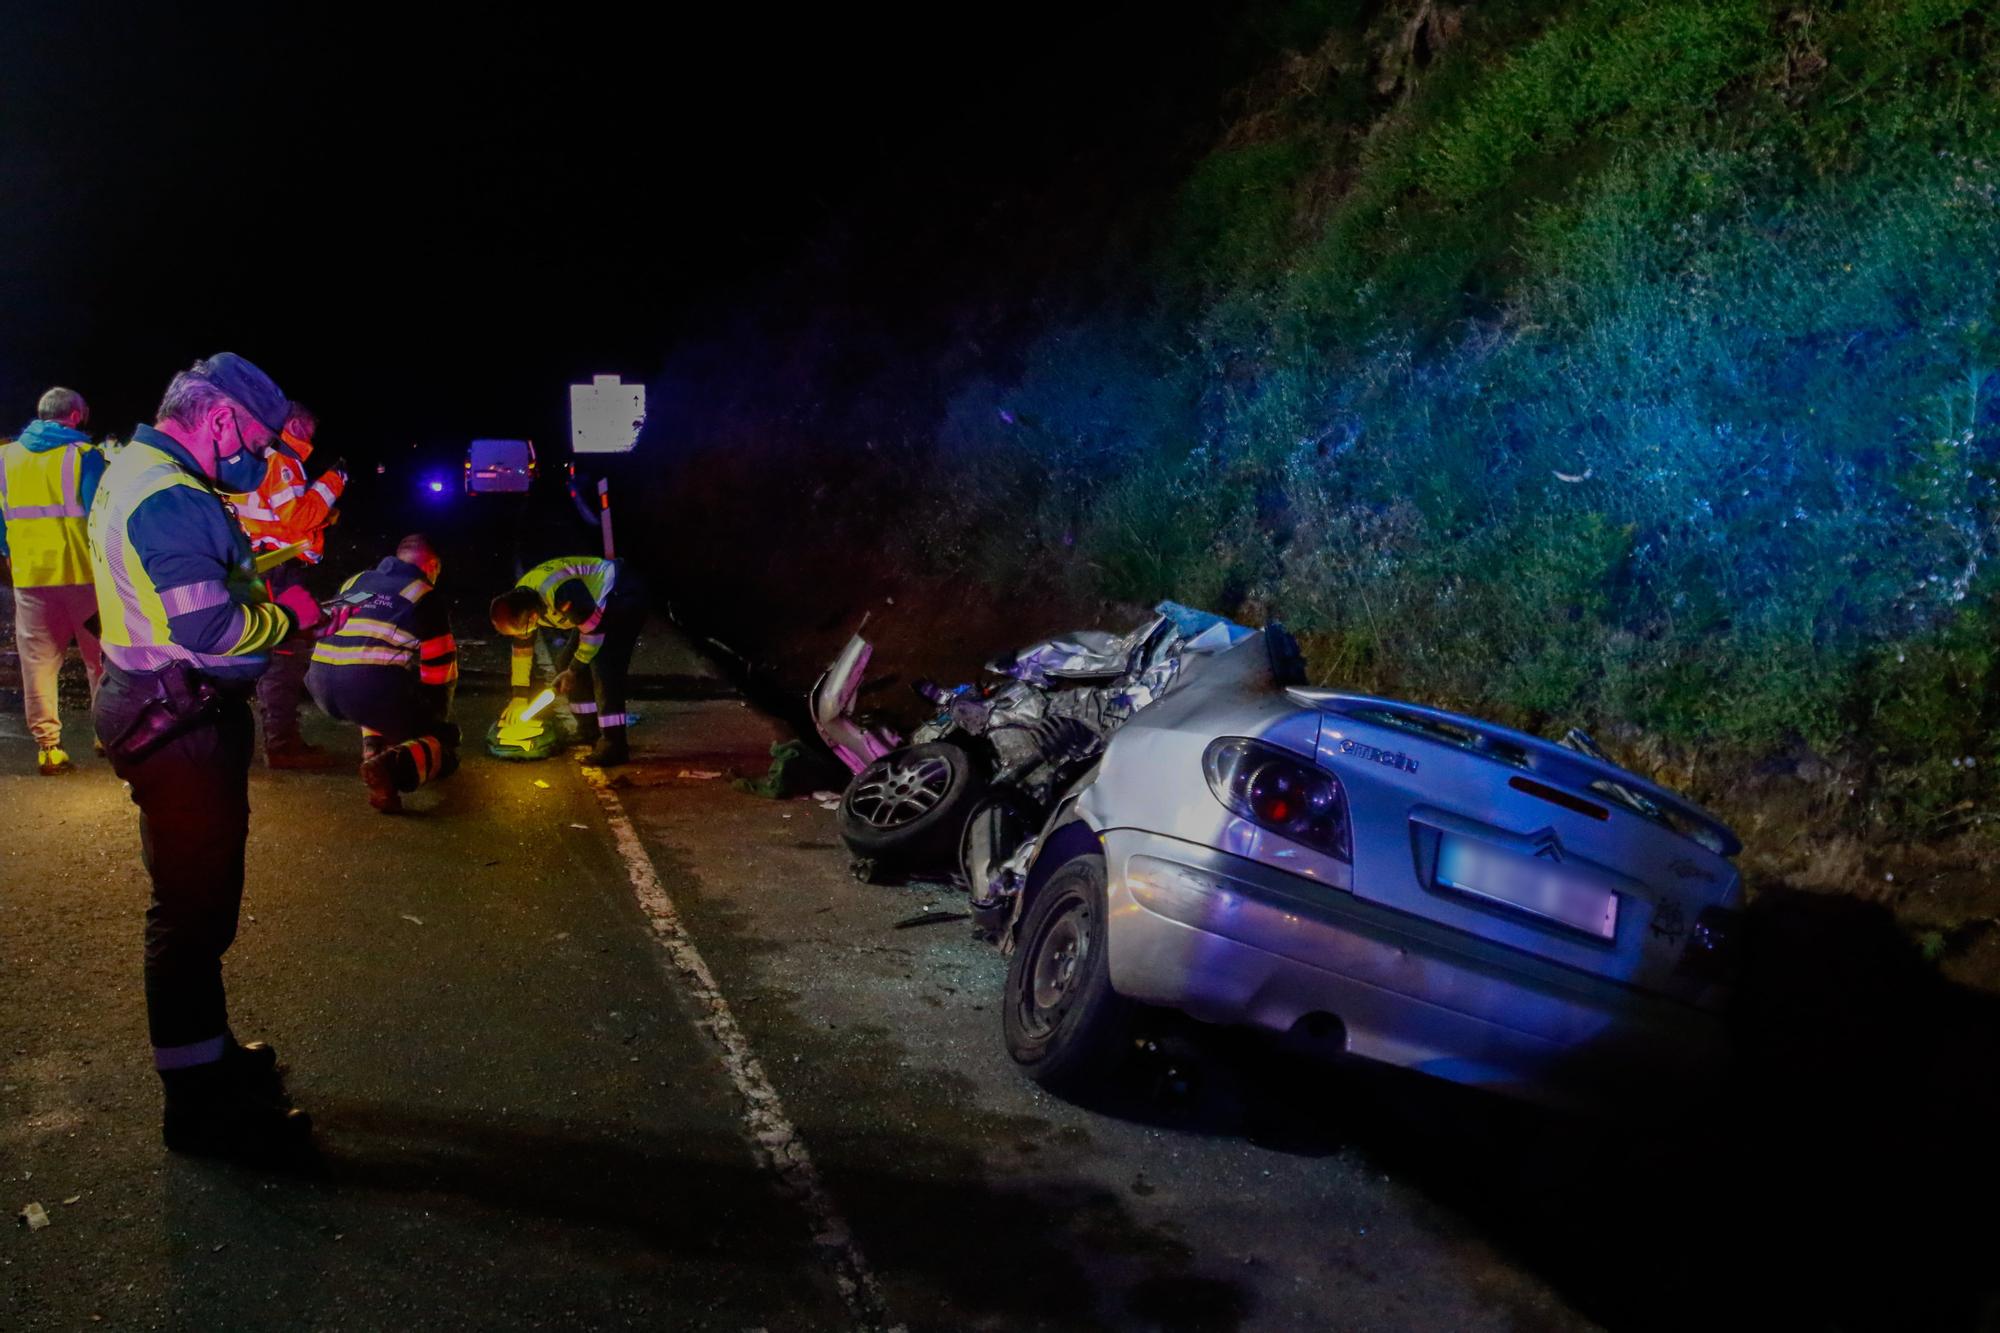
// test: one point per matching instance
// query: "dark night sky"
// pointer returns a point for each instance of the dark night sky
(398, 215)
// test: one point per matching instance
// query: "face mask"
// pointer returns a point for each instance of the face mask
(241, 471)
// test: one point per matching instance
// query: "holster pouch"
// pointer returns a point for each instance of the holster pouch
(177, 701)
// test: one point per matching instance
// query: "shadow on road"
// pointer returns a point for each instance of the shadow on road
(999, 1256)
(1844, 1178)
(680, 687)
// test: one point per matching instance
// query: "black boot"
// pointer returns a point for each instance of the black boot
(254, 1066)
(292, 752)
(610, 749)
(378, 771)
(210, 1112)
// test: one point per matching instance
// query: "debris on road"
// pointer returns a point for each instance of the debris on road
(74, 1198)
(700, 774)
(832, 705)
(772, 785)
(34, 1217)
(930, 918)
(542, 783)
(413, 920)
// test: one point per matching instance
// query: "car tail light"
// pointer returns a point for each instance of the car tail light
(1277, 790)
(1710, 952)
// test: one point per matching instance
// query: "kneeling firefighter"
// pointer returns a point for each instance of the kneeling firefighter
(388, 663)
(603, 604)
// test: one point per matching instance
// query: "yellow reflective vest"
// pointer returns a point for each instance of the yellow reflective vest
(175, 578)
(42, 501)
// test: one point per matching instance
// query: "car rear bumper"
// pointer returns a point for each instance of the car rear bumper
(1228, 940)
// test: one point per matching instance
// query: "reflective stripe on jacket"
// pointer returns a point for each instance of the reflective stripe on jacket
(41, 499)
(400, 625)
(174, 573)
(579, 607)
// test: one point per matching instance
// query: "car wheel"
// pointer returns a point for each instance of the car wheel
(911, 803)
(1063, 1022)
(994, 830)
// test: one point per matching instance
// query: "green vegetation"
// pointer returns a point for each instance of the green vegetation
(1629, 361)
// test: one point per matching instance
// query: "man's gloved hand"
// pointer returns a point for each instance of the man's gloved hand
(510, 712)
(562, 683)
(302, 604)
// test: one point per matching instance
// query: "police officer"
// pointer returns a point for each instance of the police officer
(388, 664)
(186, 631)
(603, 604)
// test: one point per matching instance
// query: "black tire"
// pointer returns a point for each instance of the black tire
(994, 829)
(1064, 1024)
(910, 805)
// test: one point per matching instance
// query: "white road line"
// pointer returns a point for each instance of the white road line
(772, 1135)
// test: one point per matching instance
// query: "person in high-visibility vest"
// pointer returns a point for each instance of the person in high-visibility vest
(602, 605)
(388, 664)
(48, 478)
(187, 629)
(284, 510)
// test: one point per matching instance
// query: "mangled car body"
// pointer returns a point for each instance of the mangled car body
(978, 778)
(1404, 884)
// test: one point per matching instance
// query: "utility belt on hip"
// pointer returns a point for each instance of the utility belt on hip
(172, 701)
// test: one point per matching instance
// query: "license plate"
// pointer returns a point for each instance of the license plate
(1529, 884)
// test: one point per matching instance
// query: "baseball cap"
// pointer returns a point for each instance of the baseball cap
(243, 381)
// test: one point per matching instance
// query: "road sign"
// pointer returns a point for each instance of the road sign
(605, 415)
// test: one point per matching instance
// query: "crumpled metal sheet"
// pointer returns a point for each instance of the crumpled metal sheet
(1082, 653)
(1056, 678)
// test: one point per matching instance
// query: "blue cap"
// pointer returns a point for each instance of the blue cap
(243, 381)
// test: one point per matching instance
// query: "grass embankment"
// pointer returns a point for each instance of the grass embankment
(1630, 363)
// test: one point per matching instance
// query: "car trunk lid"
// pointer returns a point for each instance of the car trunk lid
(1555, 852)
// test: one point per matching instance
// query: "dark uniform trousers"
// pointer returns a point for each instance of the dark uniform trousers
(283, 684)
(600, 682)
(407, 718)
(193, 795)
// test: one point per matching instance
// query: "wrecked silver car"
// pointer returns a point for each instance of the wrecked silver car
(1378, 879)
(1171, 818)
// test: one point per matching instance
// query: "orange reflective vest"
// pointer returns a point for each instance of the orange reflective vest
(286, 508)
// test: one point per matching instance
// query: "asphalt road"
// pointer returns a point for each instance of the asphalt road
(646, 1055)
(526, 1120)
